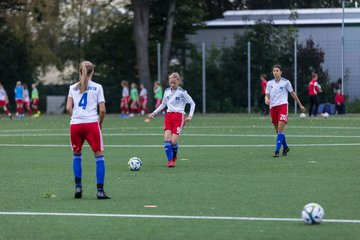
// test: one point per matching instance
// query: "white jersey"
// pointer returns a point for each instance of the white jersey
(86, 103)
(278, 91)
(2, 94)
(26, 95)
(125, 92)
(176, 101)
(143, 93)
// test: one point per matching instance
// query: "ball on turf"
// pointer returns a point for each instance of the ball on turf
(134, 164)
(302, 115)
(312, 213)
(325, 115)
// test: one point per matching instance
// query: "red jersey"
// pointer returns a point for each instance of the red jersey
(339, 99)
(263, 86)
(314, 87)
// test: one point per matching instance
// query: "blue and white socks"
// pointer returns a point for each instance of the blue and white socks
(279, 141)
(77, 168)
(100, 172)
(174, 150)
(168, 150)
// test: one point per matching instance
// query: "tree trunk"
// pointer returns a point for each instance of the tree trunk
(141, 36)
(167, 43)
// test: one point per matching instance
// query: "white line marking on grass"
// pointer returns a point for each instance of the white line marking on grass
(171, 217)
(186, 135)
(185, 146)
(188, 127)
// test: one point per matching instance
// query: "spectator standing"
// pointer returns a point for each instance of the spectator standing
(313, 89)
(339, 102)
(263, 107)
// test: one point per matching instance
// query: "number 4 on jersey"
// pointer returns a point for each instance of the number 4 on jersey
(83, 101)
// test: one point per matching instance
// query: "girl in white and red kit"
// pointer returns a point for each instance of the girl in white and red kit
(84, 101)
(276, 96)
(175, 99)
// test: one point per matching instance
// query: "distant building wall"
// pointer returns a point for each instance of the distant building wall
(323, 25)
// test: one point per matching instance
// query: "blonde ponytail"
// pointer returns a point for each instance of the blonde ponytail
(86, 70)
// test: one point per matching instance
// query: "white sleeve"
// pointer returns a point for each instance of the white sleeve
(101, 97)
(191, 102)
(289, 87)
(160, 107)
(267, 89)
(70, 93)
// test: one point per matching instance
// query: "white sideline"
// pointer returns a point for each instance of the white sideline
(186, 135)
(170, 217)
(186, 146)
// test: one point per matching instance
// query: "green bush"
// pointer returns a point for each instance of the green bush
(352, 107)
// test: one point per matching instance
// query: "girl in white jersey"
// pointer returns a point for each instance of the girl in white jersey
(84, 99)
(125, 99)
(4, 100)
(276, 95)
(26, 98)
(175, 98)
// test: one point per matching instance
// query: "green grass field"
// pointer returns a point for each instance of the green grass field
(226, 184)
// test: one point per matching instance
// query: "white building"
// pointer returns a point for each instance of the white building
(323, 25)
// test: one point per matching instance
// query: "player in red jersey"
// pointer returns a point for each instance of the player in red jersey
(339, 102)
(313, 89)
(84, 99)
(264, 109)
(175, 99)
(276, 97)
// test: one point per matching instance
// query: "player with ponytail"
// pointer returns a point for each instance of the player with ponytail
(84, 100)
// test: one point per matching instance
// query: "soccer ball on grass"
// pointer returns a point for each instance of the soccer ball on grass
(325, 115)
(302, 115)
(134, 164)
(312, 213)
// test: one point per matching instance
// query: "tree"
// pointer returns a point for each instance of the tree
(168, 39)
(178, 19)
(311, 58)
(79, 20)
(170, 21)
(141, 37)
(114, 54)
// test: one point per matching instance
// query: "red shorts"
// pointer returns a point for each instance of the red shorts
(143, 100)
(86, 131)
(35, 101)
(279, 114)
(2, 103)
(19, 101)
(174, 122)
(125, 100)
(158, 102)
